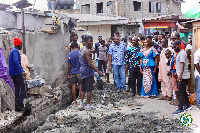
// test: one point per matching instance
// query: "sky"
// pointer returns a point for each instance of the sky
(42, 4)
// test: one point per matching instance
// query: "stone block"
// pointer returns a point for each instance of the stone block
(37, 90)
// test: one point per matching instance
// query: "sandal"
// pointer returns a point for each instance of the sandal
(152, 97)
(169, 98)
(173, 103)
(163, 98)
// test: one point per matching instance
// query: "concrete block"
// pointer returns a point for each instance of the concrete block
(37, 90)
(48, 30)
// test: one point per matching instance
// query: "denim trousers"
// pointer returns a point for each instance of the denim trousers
(119, 76)
(20, 91)
(183, 96)
(198, 90)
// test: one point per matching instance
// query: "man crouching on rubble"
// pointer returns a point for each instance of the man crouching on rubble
(87, 74)
(16, 72)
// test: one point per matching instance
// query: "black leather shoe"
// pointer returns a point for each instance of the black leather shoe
(133, 94)
(139, 93)
(19, 108)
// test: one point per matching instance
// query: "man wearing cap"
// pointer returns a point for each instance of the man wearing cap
(176, 36)
(16, 72)
(182, 75)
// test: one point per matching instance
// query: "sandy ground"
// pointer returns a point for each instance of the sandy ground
(162, 108)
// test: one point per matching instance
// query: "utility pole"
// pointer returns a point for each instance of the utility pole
(21, 5)
(52, 6)
(33, 6)
(23, 29)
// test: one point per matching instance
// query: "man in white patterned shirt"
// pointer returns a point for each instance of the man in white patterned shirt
(197, 75)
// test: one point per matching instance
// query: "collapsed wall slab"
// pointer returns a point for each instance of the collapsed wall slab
(41, 108)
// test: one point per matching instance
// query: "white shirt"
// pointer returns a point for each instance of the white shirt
(129, 45)
(196, 61)
(169, 67)
(188, 47)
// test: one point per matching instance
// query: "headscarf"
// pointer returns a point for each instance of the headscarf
(17, 41)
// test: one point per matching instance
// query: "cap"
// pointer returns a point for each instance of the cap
(177, 42)
(17, 41)
(175, 35)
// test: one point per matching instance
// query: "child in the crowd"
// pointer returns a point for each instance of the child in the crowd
(74, 69)
(102, 52)
(168, 55)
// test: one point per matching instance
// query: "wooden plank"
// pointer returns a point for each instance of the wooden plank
(194, 42)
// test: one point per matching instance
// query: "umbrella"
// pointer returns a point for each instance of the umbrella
(193, 12)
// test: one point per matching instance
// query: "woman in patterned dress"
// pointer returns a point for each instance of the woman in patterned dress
(148, 67)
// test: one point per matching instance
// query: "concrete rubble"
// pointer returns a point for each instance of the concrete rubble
(113, 113)
(43, 105)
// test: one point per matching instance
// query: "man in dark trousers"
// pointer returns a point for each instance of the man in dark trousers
(16, 72)
(132, 61)
(182, 75)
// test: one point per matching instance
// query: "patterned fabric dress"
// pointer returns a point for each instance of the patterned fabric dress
(149, 86)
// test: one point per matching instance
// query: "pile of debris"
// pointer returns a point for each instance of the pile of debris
(114, 112)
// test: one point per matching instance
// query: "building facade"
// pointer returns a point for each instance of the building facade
(136, 10)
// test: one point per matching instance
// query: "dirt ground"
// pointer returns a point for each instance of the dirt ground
(118, 112)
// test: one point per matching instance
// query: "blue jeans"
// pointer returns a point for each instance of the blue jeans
(119, 76)
(198, 90)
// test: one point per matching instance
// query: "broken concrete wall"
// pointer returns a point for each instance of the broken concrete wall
(47, 52)
(8, 20)
(14, 20)
(31, 22)
(96, 30)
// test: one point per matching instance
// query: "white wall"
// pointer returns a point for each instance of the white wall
(97, 30)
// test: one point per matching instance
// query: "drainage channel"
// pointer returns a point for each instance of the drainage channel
(115, 112)
(42, 107)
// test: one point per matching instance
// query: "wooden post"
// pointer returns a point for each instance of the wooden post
(23, 35)
(193, 81)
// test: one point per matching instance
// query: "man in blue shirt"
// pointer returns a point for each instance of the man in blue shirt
(132, 61)
(74, 73)
(116, 56)
(16, 72)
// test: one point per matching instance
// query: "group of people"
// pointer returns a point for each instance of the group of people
(154, 64)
